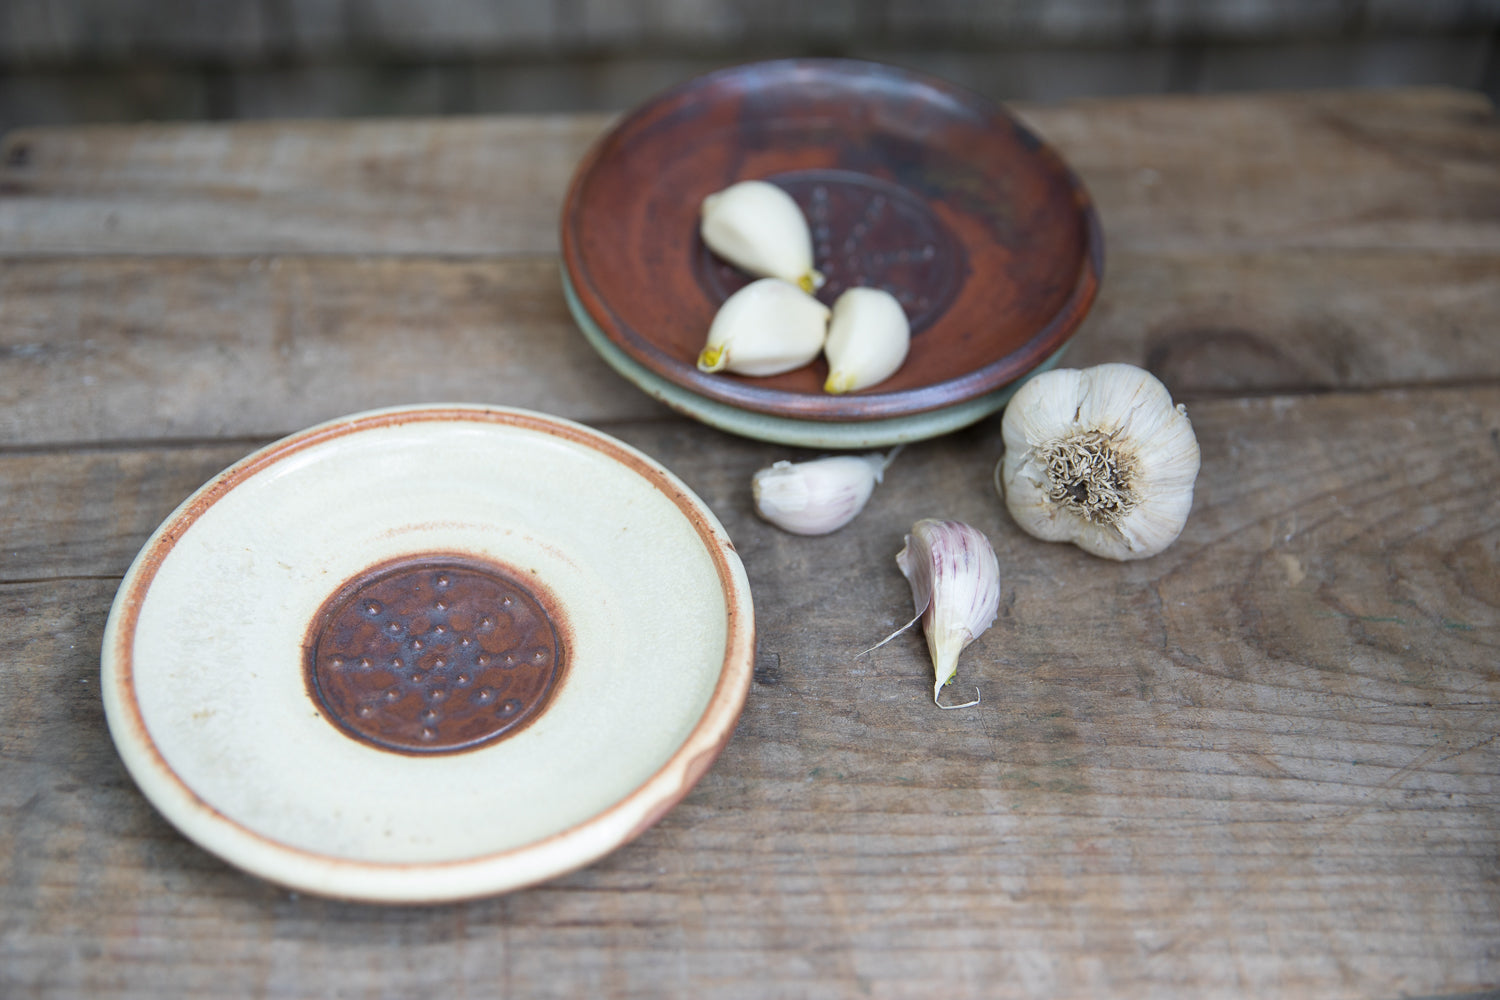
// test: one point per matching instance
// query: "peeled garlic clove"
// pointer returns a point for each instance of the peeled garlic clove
(1101, 458)
(758, 227)
(955, 587)
(868, 339)
(766, 328)
(814, 498)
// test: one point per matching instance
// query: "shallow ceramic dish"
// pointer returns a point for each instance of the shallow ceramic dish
(788, 430)
(908, 183)
(428, 653)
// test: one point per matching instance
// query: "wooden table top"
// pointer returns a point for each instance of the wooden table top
(1263, 763)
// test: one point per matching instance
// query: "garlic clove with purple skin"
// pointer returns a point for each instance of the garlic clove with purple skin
(955, 588)
(816, 497)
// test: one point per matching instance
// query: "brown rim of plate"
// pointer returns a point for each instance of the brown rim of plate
(982, 231)
(659, 793)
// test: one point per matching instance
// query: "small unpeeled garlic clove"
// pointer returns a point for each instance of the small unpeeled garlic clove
(766, 328)
(1098, 457)
(955, 587)
(758, 227)
(868, 339)
(817, 497)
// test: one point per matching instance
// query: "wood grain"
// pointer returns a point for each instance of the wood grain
(1260, 764)
(118, 348)
(437, 186)
(1407, 170)
(127, 349)
(1356, 169)
(1296, 320)
(79, 513)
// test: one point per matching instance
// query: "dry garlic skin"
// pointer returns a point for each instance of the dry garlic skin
(1099, 457)
(816, 497)
(757, 227)
(955, 588)
(766, 328)
(868, 339)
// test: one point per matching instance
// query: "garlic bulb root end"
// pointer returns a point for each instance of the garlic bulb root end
(711, 359)
(838, 383)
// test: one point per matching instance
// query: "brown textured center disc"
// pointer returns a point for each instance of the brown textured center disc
(433, 655)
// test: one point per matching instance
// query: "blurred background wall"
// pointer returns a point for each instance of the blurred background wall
(127, 60)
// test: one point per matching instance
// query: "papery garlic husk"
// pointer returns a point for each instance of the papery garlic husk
(816, 497)
(955, 588)
(868, 338)
(757, 227)
(766, 328)
(1101, 458)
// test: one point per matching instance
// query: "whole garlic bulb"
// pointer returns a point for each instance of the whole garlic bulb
(868, 338)
(816, 497)
(766, 328)
(758, 227)
(1101, 458)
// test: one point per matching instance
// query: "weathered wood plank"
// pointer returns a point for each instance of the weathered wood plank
(1414, 170)
(133, 349)
(1262, 763)
(85, 514)
(437, 186)
(1226, 323)
(124, 349)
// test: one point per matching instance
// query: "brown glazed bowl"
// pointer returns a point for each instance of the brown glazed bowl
(909, 183)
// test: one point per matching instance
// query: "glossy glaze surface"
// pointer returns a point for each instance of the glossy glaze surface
(435, 654)
(908, 183)
(223, 731)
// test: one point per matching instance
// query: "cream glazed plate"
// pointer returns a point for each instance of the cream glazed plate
(428, 653)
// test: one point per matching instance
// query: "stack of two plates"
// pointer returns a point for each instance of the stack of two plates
(909, 184)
